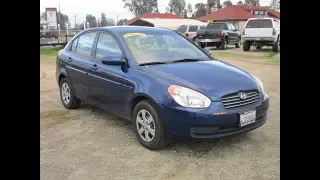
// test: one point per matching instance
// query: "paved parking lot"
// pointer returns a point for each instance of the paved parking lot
(89, 143)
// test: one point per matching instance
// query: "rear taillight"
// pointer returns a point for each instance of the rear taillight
(187, 35)
(219, 33)
(274, 31)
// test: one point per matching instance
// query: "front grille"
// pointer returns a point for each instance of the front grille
(233, 100)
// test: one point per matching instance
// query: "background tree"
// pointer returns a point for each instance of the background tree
(275, 4)
(121, 22)
(199, 10)
(189, 9)
(252, 2)
(138, 7)
(64, 20)
(239, 3)
(92, 20)
(214, 5)
(103, 20)
(226, 3)
(177, 6)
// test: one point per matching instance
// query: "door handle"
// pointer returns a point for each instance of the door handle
(94, 67)
(69, 59)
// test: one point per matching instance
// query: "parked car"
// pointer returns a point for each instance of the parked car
(190, 31)
(261, 32)
(165, 84)
(219, 34)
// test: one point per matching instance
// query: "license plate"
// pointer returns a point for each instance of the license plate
(247, 118)
(257, 39)
(207, 40)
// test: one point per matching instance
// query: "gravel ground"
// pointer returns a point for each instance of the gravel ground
(89, 143)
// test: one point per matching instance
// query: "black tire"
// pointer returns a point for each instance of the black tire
(246, 46)
(202, 45)
(194, 39)
(276, 46)
(160, 140)
(224, 44)
(258, 47)
(218, 46)
(238, 44)
(73, 103)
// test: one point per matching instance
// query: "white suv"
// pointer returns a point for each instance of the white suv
(190, 31)
(261, 32)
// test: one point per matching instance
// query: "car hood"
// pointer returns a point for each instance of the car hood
(213, 78)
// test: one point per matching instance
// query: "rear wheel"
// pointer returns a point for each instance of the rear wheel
(246, 46)
(148, 126)
(68, 99)
(218, 46)
(276, 46)
(224, 44)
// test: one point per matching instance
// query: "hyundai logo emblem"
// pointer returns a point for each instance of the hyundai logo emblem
(242, 95)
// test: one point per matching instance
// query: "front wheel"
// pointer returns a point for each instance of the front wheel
(148, 126)
(238, 44)
(202, 45)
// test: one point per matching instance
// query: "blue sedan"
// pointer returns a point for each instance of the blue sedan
(165, 84)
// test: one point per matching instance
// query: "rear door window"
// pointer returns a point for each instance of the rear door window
(259, 23)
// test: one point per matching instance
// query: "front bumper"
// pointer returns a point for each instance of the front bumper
(210, 123)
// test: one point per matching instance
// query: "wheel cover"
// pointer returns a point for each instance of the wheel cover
(65, 93)
(145, 125)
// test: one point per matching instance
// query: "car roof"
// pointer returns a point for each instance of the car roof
(262, 18)
(127, 29)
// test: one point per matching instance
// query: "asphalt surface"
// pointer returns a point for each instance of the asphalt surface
(89, 143)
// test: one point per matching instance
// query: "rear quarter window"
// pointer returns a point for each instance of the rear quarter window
(182, 29)
(193, 28)
(259, 23)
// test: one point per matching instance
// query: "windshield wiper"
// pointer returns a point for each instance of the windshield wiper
(152, 63)
(185, 60)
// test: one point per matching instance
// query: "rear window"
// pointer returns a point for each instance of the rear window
(193, 28)
(259, 23)
(217, 26)
(182, 29)
(202, 27)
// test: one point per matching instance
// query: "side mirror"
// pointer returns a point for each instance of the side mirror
(115, 60)
(207, 50)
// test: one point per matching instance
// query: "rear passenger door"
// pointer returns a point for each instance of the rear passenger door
(78, 62)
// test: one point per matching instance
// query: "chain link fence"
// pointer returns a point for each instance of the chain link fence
(56, 37)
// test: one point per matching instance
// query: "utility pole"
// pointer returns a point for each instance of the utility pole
(75, 21)
(207, 10)
(59, 14)
(117, 19)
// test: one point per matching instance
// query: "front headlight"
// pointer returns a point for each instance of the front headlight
(259, 82)
(188, 98)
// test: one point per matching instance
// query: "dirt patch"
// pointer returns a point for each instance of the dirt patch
(89, 143)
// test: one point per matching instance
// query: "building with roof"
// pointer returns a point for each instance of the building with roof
(239, 14)
(154, 16)
(172, 24)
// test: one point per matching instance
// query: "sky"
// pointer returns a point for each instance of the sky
(112, 8)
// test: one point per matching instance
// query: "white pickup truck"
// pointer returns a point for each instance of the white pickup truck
(261, 32)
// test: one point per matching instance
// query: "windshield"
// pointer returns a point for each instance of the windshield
(164, 46)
